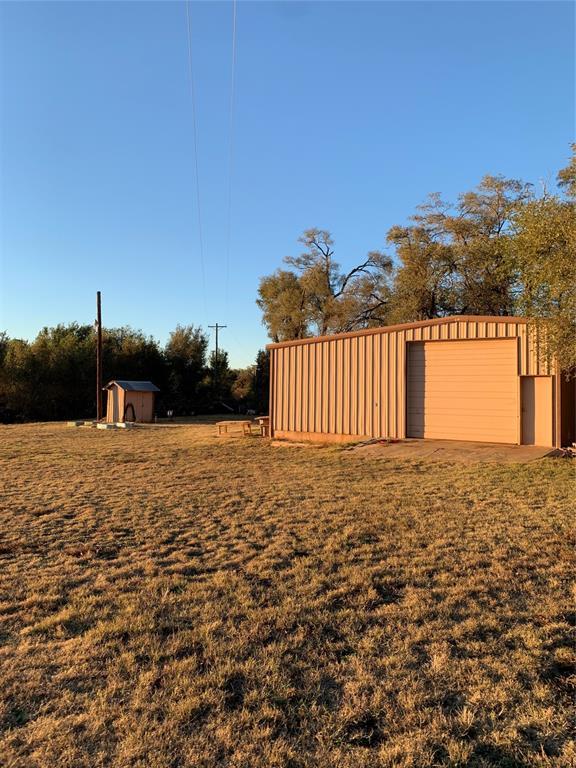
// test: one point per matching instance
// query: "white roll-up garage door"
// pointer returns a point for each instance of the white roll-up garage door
(463, 390)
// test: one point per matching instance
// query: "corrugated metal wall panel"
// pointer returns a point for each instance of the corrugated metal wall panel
(361, 384)
(376, 388)
(383, 386)
(286, 387)
(305, 388)
(353, 386)
(392, 385)
(318, 387)
(356, 384)
(401, 384)
(340, 387)
(333, 373)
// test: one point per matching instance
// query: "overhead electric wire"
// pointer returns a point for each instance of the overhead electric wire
(196, 172)
(230, 150)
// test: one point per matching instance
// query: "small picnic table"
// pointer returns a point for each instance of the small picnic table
(245, 424)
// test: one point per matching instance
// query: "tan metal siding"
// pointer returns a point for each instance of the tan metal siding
(346, 381)
(304, 388)
(318, 387)
(331, 373)
(376, 388)
(339, 405)
(354, 384)
(370, 403)
(360, 393)
(392, 384)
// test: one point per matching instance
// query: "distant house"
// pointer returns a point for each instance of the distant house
(130, 401)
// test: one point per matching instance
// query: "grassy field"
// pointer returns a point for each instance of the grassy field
(171, 600)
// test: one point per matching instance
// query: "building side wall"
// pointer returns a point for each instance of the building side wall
(356, 385)
(133, 399)
(110, 405)
(115, 405)
(143, 403)
(148, 407)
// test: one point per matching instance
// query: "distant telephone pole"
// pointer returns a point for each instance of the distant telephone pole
(217, 328)
(98, 356)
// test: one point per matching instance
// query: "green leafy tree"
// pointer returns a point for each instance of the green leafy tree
(64, 372)
(185, 354)
(243, 388)
(456, 258)
(282, 300)
(130, 354)
(262, 381)
(54, 376)
(218, 382)
(18, 382)
(317, 297)
(424, 283)
(479, 233)
(544, 254)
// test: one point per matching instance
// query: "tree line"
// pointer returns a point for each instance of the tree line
(54, 376)
(499, 249)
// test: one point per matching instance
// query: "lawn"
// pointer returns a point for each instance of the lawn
(169, 599)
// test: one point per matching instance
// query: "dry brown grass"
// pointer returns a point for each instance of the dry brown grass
(169, 599)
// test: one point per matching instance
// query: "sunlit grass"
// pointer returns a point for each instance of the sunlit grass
(172, 599)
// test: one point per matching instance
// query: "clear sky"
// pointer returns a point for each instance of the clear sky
(346, 116)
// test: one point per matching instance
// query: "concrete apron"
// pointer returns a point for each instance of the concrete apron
(456, 450)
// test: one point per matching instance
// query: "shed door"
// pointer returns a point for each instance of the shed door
(536, 410)
(463, 390)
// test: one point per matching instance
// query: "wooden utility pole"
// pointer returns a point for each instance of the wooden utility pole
(217, 327)
(98, 356)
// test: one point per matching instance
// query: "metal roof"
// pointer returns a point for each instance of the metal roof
(133, 386)
(401, 327)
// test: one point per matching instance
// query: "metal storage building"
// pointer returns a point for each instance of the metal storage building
(130, 401)
(474, 378)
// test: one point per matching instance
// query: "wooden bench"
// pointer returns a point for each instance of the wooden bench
(246, 426)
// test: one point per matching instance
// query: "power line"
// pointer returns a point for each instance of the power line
(230, 150)
(195, 134)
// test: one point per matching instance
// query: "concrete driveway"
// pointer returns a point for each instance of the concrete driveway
(455, 450)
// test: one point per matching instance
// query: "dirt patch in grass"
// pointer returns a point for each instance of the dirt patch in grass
(170, 599)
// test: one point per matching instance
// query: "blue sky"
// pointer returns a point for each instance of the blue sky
(346, 116)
